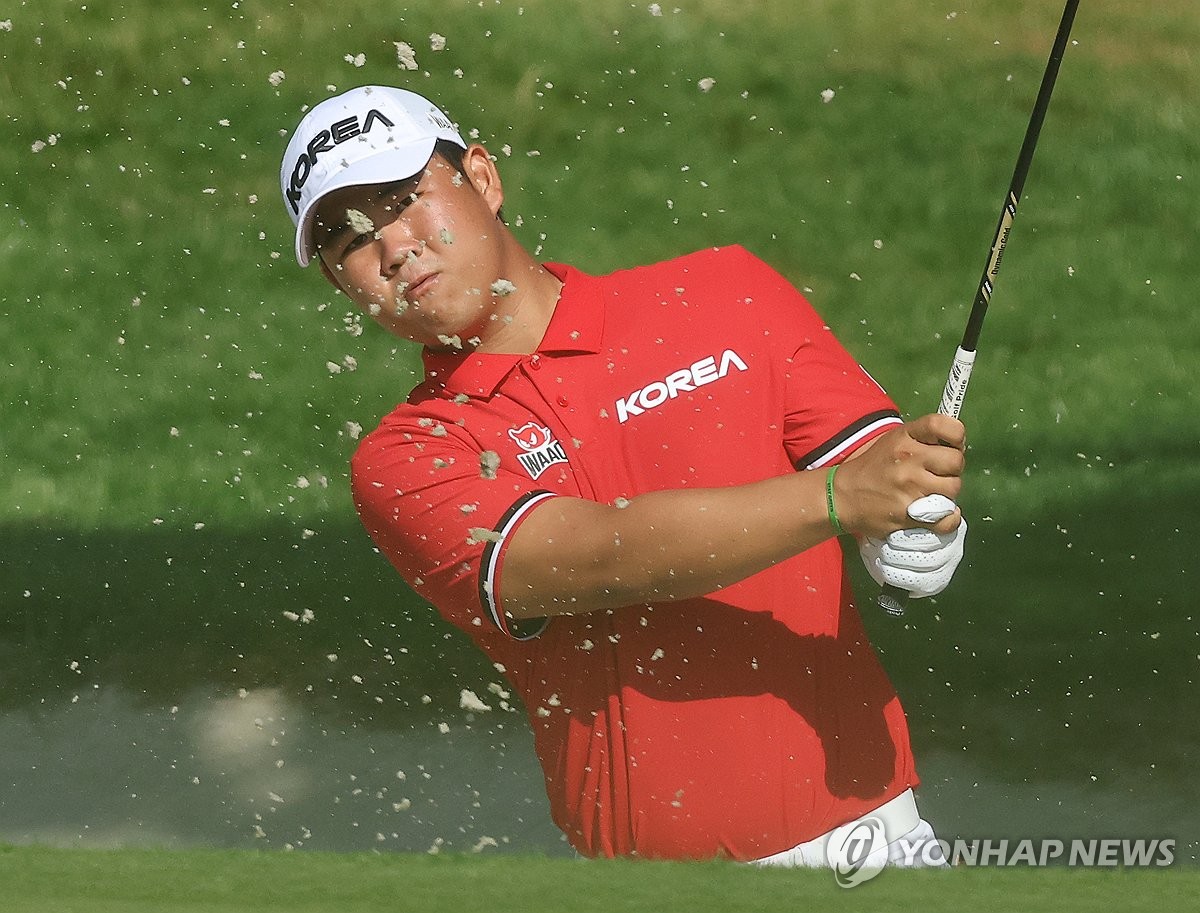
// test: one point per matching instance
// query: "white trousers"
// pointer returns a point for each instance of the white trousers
(908, 841)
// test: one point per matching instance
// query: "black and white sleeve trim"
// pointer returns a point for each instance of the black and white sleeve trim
(848, 439)
(491, 563)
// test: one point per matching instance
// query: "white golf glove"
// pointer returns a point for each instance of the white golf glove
(917, 560)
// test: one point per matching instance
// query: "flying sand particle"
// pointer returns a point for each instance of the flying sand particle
(359, 222)
(489, 463)
(468, 700)
(406, 57)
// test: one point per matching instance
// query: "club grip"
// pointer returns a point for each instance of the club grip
(892, 600)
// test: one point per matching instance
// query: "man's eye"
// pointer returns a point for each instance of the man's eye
(356, 242)
(339, 254)
(401, 202)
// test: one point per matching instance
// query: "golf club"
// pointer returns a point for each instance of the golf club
(891, 598)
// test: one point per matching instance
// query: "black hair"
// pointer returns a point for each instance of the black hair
(453, 153)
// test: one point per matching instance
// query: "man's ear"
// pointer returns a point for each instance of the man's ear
(484, 176)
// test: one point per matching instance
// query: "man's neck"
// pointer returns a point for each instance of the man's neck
(523, 313)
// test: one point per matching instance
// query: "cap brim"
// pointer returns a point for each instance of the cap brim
(393, 164)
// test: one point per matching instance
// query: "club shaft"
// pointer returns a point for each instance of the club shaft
(892, 599)
(1016, 187)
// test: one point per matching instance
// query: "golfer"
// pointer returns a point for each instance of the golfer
(627, 490)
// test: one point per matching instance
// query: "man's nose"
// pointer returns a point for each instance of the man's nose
(399, 245)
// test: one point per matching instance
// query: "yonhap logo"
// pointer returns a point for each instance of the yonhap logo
(857, 851)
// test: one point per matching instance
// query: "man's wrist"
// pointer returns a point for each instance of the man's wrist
(831, 502)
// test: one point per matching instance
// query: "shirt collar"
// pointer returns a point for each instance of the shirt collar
(577, 326)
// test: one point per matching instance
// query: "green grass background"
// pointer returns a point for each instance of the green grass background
(130, 882)
(166, 382)
(146, 253)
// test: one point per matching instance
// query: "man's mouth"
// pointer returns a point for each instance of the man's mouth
(420, 286)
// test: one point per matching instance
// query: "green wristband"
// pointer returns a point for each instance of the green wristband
(833, 517)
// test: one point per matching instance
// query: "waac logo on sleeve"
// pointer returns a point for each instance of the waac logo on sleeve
(540, 449)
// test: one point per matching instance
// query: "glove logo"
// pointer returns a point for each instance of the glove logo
(854, 851)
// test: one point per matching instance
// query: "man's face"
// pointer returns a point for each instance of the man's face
(419, 255)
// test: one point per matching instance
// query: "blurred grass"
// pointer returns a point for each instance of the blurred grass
(164, 882)
(149, 281)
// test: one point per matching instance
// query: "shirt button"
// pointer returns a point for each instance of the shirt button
(562, 401)
(535, 362)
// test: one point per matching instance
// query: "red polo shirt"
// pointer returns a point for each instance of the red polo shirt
(741, 723)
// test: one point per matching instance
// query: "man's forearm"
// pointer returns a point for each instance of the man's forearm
(573, 555)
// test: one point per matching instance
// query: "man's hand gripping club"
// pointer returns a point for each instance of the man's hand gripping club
(910, 475)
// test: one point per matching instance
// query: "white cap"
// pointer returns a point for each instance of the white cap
(368, 135)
